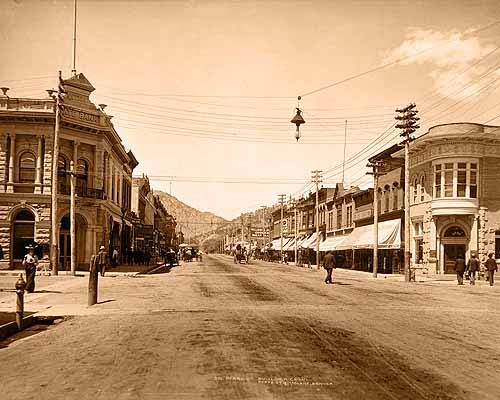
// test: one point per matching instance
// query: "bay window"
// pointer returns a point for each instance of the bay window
(455, 179)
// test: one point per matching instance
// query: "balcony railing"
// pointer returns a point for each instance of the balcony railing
(82, 191)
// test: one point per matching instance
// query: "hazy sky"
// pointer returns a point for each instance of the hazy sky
(204, 90)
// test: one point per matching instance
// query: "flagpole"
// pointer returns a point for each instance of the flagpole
(73, 68)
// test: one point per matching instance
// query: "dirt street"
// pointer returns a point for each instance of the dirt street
(216, 330)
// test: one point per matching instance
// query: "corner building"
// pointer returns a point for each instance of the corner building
(454, 195)
(104, 177)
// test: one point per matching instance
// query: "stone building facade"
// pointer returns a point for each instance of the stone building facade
(103, 176)
(454, 195)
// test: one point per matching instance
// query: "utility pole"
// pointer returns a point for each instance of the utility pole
(317, 178)
(408, 125)
(73, 69)
(295, 229)
(72, 216)
(263, 208)
(376, 173)
(281, 199)
(59, 100)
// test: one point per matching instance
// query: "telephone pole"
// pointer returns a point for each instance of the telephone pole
(376, 165)
(295, 228)
(317, 178)
(59, 100)
(408, 125)
(72, 216)
(281, 199)
(263, 208)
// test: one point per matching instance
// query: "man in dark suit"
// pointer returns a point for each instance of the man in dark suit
(491, 267)
(460, 269)
(329, 264)
(472, 268)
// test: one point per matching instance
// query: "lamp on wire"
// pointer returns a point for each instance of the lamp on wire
(298, 120)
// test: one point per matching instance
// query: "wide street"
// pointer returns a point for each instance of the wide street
(216, 330)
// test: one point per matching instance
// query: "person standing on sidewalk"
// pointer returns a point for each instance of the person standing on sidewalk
(115, 257)
(101, 260)
(472, 268)
(491, 267)
(329, 264)
(460, 269)
(30, 262)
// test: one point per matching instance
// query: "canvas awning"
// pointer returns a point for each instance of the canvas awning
(389, 236)
(331, 243)
(291, 244)
(276, 243)
(310, 242)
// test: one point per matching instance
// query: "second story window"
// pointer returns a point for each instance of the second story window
(455, 179)
(395, 198)
(339, 216)
(82, 173)
(27, 167)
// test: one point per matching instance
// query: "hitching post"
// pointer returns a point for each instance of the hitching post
(93, 281)
(20, 286)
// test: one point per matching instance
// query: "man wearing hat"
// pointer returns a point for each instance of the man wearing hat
(472, 268)
(30, 261)
(101, 260)
(491, 267)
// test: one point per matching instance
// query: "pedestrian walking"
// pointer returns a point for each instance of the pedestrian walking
(460, 269)
(115, 257)
(101, 260)
(328, 265)
(491, 267)
(472, 268)
(30, 262)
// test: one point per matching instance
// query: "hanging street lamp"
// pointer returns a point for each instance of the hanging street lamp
(298, 120)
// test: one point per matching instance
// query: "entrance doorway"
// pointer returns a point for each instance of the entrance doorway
(64, 245)
(451, 252)
(454, 244)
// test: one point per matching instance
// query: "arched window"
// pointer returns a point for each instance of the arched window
(422, 188)
(454, 231)
(23, 233)
(27, 167)
(415, 190)
(82, 173)
(62, 174)
(395, 198)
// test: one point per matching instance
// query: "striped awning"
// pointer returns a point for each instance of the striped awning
(331, 243)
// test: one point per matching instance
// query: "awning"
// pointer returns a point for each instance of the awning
(331, 243)
(276, 243)
(290, 245)
(310, 242)
(389, 236)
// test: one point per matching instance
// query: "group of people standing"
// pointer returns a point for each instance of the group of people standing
(473, 266)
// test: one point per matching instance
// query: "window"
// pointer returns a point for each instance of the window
(473, 181)
(437, 181)
(455, 179)
(395, 198)
(387, 199)
(82, 173)
(448, 180)
(422, 188)
(339, 216)
(418, 232)
(349, 216)
(27, 168)
(415, 190)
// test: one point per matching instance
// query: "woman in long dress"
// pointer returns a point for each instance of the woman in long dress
(30, 262)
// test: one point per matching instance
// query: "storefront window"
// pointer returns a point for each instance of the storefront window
(497, 244)
(455, 179)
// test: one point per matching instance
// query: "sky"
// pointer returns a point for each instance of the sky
(203, 91)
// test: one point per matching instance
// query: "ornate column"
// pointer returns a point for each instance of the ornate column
(12, 152)
(38, 174)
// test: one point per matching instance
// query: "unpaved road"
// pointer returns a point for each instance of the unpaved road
(222, 331)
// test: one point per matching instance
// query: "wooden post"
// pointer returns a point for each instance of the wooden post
(93, 281)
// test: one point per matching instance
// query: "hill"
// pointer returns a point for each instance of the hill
(191, 221)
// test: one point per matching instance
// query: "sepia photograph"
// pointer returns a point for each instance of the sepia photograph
(249, 199)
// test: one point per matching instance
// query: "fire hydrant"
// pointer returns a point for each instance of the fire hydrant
(20, 286)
